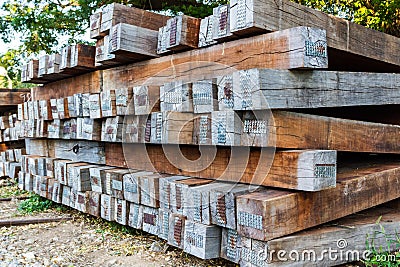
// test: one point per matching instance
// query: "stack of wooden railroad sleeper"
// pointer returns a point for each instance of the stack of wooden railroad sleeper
(224, 135)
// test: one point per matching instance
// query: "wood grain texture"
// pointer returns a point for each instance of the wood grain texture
(271, 213)
(115, 13)
(86, 83)
(282, 170)
(279, 50)
(341, 34)
(12, 97)
(266, 88)
(86, 151)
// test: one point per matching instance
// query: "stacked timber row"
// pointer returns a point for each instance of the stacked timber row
(12, 146)
(224, 151)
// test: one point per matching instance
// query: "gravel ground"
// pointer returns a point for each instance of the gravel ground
(83, 241)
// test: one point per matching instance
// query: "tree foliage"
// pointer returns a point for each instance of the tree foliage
(42, 22)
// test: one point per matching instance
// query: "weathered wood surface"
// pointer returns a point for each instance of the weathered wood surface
(82, 57)
(262, 216)
(150, 220)
(176, 96)
(107, 207)
(86, 151)
(149, 184)
(121, 211)
(266, 88)
(354, 229)
(221, 24)
(176, 230)
(201, 240)
(115, 13)
(206, 31)
(93, 203)
(95, 24)
(135, 215)
(146, 99)
(85, 83)
(112, 129)
(132, 187)
(61, 170)
(223, 203)
(279, 50)
(124, 101)
(132, 43)
(318, 173)
(204, 95)
(163, 223)
(18, 222)
(98, 178)
(12, 97)
(108, 105)
(165, 191)
(342, 35)
(179, 33)
(171, 128)
(95, 106)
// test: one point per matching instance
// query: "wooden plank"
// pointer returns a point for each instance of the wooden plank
(114, 181)
(108, 105)
(62, 108)
(85, 83)
(112, 129)
(201, 240)
(202, 129)
(150, 220)
(135, 215)
(98, 178)
(342, 35)
(171, 128)
(12, 97)
(65, 57)
(43, 65)
(81, 201)
(54, 129)
(115, 13)
(176, 230)
(121, 211)
(222, 29)
(66, 192)
(95, 23)
(285, 50)
(266, 88)
(95, 106)
(107, 207)
(93, 203)
(61, 170)
(205, 96)
(86, 151)
(18, 222)
(89, 129)
(176, 96)
(131, 187)
(179, 190)
(231, 245)
(124, 101)
(149, 184)
(82, 57)
(45, 109)
(163, 224)
(198, 202)
(223, 203)
(182, 32)
(283, 212)
(79, 177)
(226, 128)
(206, 31)
(53, 65)
(132, 43)
(165, 191)
(57, 192)
(247, 164)
(146, 99)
